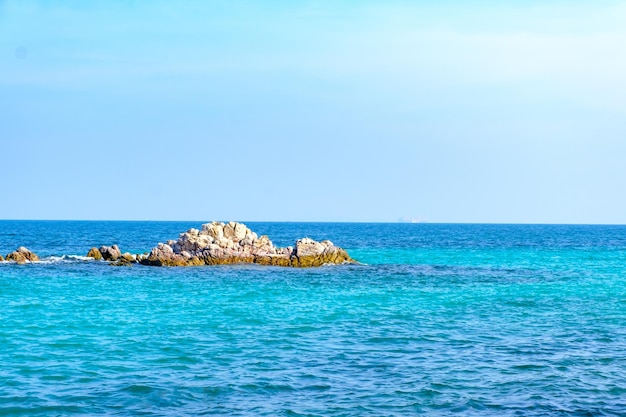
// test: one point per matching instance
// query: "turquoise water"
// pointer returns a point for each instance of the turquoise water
(474, 320)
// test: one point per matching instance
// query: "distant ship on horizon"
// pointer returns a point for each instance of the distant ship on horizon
(411, 220)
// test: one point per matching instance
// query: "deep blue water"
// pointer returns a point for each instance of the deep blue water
(477, 320)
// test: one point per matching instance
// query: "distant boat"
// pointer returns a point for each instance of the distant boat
(411, 219)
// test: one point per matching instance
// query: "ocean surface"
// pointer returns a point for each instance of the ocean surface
(438, 319)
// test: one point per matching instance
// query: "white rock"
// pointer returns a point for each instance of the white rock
(229, 231)
(240, 232)
(309, 247)
(214, 229)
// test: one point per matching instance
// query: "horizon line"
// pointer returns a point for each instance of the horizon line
(324, 221)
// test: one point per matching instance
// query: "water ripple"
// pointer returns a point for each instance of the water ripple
(479, 332)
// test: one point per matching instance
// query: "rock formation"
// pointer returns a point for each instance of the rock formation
(110, 253)
(220, 243)
(114, 255)
(22, 255)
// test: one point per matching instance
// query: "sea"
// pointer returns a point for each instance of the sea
(434, 320)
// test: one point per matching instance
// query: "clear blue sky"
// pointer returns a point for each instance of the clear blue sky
(455, 111)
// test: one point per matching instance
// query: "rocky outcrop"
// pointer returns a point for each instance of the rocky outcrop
(22, 255)
(229, 243)
(1, 258)
(114, 255)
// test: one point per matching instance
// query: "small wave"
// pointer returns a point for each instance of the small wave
(64, 259)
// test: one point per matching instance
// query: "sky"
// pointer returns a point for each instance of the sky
(342, 110)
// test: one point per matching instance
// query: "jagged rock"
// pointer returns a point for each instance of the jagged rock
(240, 232)
(94, 253)
(164, 255)
(1, 258)
(309, 247)
(126, 259)
(219, 243)
(110, 253)
(229, 231)
(22, 255)
(214, 229)
(283, 252)
(312, 253)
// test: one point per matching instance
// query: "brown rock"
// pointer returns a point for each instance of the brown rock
(22, 255)
(94, 253)
(126, 259)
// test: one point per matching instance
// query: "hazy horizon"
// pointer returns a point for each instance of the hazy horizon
(245, 221)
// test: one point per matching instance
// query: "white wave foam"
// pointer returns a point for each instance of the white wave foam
(64, 259)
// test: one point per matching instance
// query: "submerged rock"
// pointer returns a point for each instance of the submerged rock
(22, 255)
(114, 255)
(126, 259)
(229, 243)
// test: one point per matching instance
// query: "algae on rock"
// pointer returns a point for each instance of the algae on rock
(229, 243)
